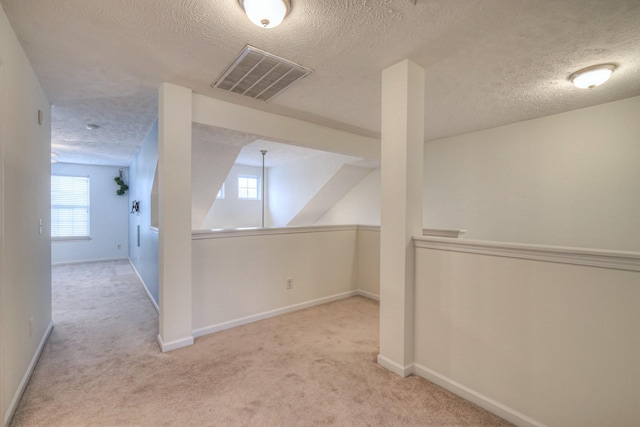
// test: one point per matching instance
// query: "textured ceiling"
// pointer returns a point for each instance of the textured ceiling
(487, 63)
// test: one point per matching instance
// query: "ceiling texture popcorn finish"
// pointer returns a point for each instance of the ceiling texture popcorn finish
(486, 63)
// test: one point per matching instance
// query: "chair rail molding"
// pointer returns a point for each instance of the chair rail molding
(618, 260)
(257, 231)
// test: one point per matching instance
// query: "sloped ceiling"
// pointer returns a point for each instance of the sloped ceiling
(487, 63)
(214, 151)
(347, 177)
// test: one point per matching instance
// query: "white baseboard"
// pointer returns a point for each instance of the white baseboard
(368, 295)
(174, 345)
(27, 375)
(84, 261)
(479, 399)
(144, 286)
(403, 371)
(267, 314)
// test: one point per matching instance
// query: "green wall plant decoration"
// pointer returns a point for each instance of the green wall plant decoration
(120, 181)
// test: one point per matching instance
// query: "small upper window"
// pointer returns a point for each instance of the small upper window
(221, 192)
(248, 187)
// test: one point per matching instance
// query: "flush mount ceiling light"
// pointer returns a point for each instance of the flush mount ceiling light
(266, 13)
(91, 126)
(54, 157)
(590, 77)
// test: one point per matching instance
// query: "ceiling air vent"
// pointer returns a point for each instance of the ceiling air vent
(259, 75)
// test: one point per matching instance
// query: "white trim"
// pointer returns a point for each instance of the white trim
(239, 232)
(70, 238)
(618, 260)
(473, 396)
(368, 295)
(144, 286)
(174, 345)
(84, 261)
(403, 371)
(267, 314)
(27, 376)
(369, 228)
(257, 231)
(437, 232)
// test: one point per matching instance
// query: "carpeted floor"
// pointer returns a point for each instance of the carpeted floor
(102, 366)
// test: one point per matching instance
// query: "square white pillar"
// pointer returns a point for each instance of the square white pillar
(174, 213)
(401, 213)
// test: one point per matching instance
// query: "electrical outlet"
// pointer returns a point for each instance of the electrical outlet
(289, 283)
(118, 246)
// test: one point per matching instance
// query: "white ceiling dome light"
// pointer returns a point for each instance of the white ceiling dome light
(590, 77)
(266, 13)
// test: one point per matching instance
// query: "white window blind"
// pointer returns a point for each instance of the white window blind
(69, 206)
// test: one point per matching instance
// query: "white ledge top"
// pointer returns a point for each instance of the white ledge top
(437, 232)
(619, 260)
(257, 231)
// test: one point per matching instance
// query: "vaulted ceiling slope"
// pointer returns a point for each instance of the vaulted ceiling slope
(487, 63)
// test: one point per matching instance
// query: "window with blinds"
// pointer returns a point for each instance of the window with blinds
(69, 206)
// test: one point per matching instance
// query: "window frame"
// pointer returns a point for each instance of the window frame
(258, 187)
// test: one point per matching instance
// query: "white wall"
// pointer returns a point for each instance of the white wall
(211, 163)
(340, 184)
(246, 274)
(555, 342)
(361, 205)
(232, 212)
(25, 251)
(570, 179)
(215, 112)
(368, 251)
(143, 253)
(108, 221)
(292, 185)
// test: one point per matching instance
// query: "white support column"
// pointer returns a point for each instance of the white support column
(401, 214)
(174, 206)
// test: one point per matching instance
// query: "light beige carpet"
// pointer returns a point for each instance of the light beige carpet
(102, 366)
